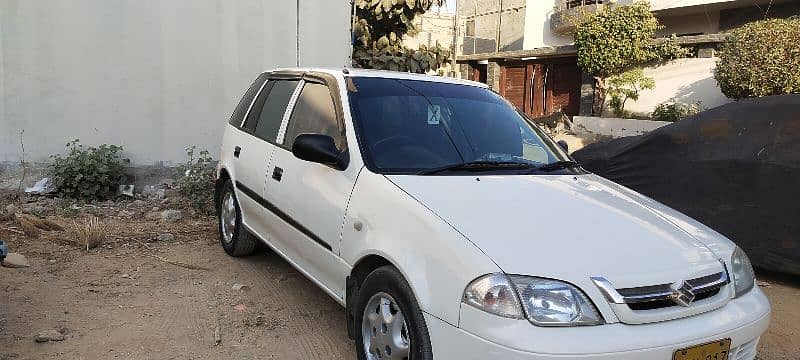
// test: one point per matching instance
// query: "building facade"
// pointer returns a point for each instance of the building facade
(538, 72)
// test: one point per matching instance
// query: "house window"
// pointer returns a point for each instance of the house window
(470, 27)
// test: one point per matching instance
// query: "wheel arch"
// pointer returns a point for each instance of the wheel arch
(222, 177)
(361, 269)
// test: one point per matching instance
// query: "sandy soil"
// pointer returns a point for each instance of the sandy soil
(123, 301)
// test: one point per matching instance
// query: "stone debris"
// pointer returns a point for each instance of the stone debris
(126, 190)
(165, 237)
(14, 260)
(171, 216)
(12, 209)
(49, 335)
(125, 214)
(217, 336)
(240, 287)
(254, 320)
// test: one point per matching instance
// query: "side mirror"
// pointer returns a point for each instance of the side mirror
(563, 145)
(317, 148)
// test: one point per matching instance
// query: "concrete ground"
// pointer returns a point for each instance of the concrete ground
(138, 297)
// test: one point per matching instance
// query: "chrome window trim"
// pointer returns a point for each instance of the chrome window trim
(258, 93)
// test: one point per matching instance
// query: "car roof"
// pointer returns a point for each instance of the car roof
(349, 72)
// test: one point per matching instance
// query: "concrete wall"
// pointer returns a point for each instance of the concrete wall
(613, 127)
(686, 80)
(703, 23)
(152, 76)
(537, 26)
(488, 18)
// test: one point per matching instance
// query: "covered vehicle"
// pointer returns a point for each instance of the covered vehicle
(735, 168)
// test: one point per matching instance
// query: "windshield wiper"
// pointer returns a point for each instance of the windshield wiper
(480, 166)
(558, 165)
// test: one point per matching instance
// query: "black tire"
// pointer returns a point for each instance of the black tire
(243, 243)
(388, 280)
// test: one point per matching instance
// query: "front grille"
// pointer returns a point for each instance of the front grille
(660, 304)
(660, 296)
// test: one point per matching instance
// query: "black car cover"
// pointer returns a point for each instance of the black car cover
(735, 168)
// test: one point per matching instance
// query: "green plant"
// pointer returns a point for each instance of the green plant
(196, 179)
(87, 173)
(761, 59)
(379, 28)
(626, 86)
(620, 38)
(673, 110)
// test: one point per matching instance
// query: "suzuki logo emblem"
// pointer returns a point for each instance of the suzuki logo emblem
(682, 294)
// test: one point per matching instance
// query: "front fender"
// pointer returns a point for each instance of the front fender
(437, 261)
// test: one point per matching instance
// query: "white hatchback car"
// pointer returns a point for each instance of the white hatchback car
(448, 225)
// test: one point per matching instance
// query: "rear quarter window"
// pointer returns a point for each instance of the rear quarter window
(247, 99)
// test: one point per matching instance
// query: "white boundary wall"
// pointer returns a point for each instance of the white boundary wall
(685, 80)
(152, 76)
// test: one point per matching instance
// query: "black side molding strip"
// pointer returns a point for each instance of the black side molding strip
(285, 217)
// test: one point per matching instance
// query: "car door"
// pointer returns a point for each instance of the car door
(253, 154)
(311, 198)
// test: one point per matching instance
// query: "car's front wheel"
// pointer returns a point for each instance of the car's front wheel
(234, 238)
(392, 324)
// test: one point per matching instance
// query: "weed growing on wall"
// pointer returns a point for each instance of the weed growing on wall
(196, 179)
(87, 173)
(673, 110)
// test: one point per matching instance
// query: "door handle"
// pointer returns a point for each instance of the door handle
(236, 151)
(277, 173)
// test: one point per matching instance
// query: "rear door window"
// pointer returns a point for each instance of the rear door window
(247, 99)
(265, 118)
(314, 113)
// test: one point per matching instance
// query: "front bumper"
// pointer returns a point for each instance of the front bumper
(484, 336)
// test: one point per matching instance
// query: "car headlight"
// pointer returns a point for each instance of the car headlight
(494, 294)
(743, 276)
(544, 302)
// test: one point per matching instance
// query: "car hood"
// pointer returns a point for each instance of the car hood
(570, 227)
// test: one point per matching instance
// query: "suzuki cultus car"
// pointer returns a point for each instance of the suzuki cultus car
(450, 227)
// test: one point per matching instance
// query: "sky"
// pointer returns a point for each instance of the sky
(449, 7)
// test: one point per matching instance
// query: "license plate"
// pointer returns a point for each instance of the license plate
(717, 350)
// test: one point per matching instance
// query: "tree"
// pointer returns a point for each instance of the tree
(761, 59)
(617, 39)
(626, 86)
(379, 28)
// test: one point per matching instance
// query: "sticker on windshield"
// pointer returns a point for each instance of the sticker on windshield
(434, 114)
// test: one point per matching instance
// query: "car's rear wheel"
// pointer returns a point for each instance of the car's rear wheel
(234, 238)
(391, 323)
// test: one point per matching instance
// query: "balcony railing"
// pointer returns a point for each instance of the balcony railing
(571, 12)
(570, 4)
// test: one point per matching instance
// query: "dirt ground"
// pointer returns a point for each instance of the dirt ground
(129, 300)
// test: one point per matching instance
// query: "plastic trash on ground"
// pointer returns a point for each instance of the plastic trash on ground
(42, 187)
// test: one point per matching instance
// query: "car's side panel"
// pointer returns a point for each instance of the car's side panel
(437, 261)
(310, 199)
(251, 167)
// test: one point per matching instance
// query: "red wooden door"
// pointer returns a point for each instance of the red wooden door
(542, 87)
(513, 85)
(563, 88)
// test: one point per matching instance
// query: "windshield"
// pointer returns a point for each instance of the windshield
(410, 126)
